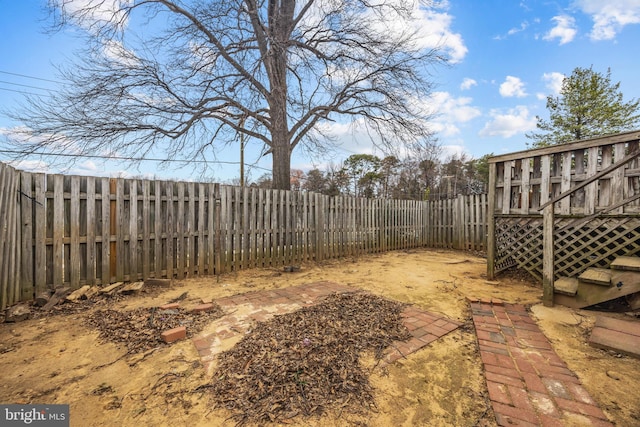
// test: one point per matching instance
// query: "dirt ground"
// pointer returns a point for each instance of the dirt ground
(60, 359)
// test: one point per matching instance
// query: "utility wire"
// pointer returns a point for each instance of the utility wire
(29, 77)
(23, 92)
(137, 159)
(29, 86)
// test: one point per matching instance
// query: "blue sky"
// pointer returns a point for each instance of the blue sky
(505, 56)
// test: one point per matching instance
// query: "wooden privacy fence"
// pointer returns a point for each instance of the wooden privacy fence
(591, 225)
(76, 230)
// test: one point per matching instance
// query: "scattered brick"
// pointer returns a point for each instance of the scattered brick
(174, 334)
(203, 307)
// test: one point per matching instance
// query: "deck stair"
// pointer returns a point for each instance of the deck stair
(597, 285)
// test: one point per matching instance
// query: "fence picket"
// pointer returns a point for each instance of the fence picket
(27, 206)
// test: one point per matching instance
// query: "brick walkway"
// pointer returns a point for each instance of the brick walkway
(245, 309)
(529, 385)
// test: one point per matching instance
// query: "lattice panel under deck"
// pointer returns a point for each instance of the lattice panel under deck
(594, 244)
(578, 244)
(519, 243)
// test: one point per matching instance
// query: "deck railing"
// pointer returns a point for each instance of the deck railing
(598, 181)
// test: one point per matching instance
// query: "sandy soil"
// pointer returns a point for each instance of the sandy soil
(59, 359)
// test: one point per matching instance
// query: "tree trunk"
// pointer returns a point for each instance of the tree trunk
(281, 164)
(280, 25)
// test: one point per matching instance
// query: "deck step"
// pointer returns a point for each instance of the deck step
(597, 276)
(629, 263)
(624, 283)
(566, 286)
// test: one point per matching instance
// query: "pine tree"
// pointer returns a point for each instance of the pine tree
(588, 105)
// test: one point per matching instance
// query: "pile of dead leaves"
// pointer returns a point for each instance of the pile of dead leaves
(308, 361)
(140, 329)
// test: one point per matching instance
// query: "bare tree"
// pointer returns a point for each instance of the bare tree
(186, 77)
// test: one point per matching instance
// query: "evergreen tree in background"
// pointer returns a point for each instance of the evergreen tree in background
(588, 105)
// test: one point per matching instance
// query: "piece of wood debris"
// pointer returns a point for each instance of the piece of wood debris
(131, 288)
(93, 291)
(17, 313)
(57, 297)
(78, 293)
(621, 336)
(42, 299)
(179, 298)
(111, 288)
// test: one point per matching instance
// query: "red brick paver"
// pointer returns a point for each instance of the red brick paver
(528, 383)
(245, 309)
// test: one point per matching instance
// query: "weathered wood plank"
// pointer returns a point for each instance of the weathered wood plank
(216, 244)
(191, 256)
(106, 206)
(120, 229)
(158, 220)
(617, 178)
(146, 229)
(168, 215)
(74, 244)
(566, 286)
(597, 276)
(630, 263)
(268, 237)
(629, 327)
(201, 247)
(27, 207)
(181, 238)
(58, 230)
(9, 243)
(589, 294)
(90, 234)
(132, 226)
(591, 190)
(40, 233)
(611, 338)
(245, 229)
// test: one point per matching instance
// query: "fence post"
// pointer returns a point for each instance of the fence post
(216, 229)
(491, 226)
(547, 255)
(112, 232)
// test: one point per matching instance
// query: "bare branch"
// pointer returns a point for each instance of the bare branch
(185, 77)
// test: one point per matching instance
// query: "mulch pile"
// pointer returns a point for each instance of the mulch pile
(308, 361)
(140, 329)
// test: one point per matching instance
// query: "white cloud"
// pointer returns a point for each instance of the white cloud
(565, 29)
(553, 81)
(468, 83)
(435, 31)
(609, 17)
(450, 112)
(512, 86)
(508, 124)
(515, 30)
(35, 166)
(431, 24)
(451, 150)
